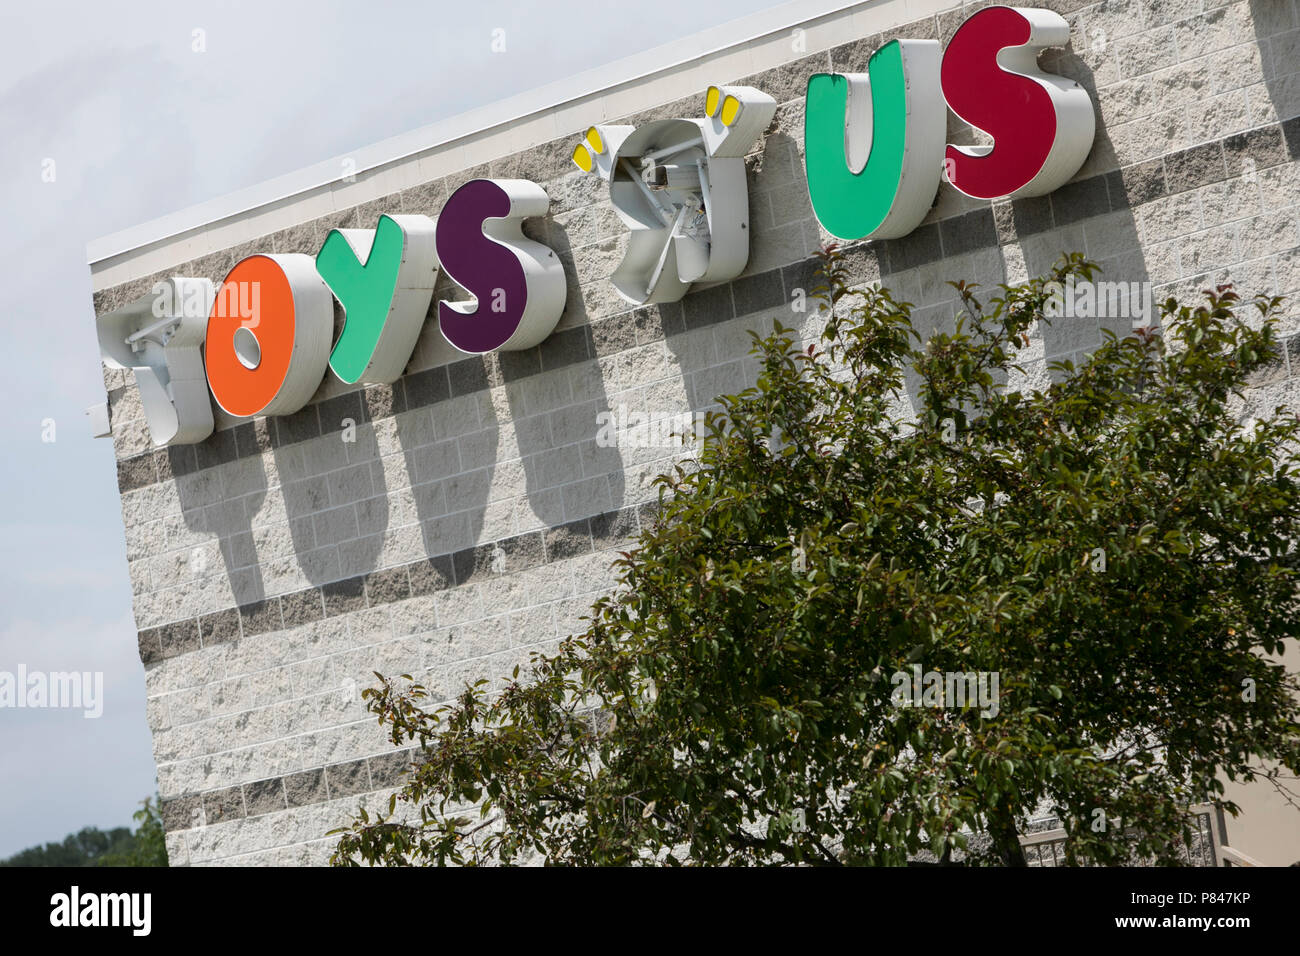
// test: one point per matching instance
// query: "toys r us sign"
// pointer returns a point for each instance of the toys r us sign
(259, 342)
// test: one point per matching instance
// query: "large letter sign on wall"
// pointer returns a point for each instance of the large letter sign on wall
(874, 142)
(265, 333)
(518, 283)
(1042, 125)
(159, 337)
(874, 153)
(268, 338)
(383, 277)
(679, 186)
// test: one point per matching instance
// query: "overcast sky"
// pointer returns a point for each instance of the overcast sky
(138, 125)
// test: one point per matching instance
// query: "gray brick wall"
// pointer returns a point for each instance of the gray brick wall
(276, 565)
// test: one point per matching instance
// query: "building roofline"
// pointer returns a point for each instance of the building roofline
(635, 70)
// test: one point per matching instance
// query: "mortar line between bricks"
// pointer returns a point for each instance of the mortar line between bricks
(298, 737)
(228, 860)
(627, 516)
(404, 753)
(434, 629)
(233, 859)
(196, 835)
(332, 656)
(291, 736)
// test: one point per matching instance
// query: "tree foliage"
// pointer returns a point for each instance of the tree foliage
(1116, 546)
(91, 846)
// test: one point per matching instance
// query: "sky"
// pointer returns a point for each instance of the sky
(110, 118)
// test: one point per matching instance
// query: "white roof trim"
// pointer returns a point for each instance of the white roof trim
(638, 70)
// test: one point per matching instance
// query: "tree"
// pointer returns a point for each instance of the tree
(148, 846)
(91, 846)
(86, 847)
(1115, 548)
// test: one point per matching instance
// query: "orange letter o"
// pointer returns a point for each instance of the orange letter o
(268, 338)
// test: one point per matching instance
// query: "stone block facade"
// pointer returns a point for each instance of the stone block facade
(465, 517)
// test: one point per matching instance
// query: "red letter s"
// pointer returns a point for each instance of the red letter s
(1042, 125)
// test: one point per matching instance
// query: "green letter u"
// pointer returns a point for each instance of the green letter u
(874, 142)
